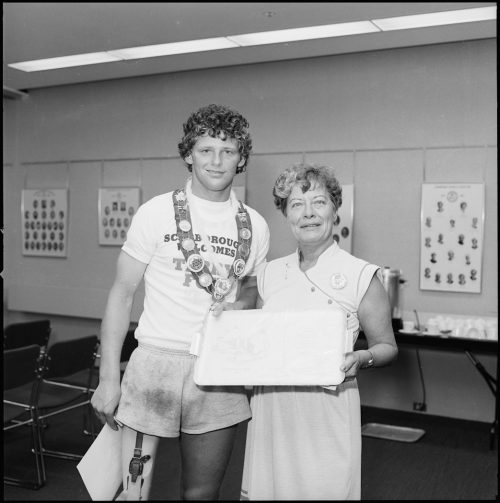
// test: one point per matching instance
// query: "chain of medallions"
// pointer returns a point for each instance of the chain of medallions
(219, 287)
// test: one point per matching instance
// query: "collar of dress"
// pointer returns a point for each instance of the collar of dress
(330, 251)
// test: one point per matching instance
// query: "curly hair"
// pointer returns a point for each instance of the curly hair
(306, 176)
(218, 121)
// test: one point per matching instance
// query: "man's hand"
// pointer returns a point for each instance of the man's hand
(217, 307)
(105, 402)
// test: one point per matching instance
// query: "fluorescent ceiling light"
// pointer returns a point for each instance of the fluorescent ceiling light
(437, 18)
(308, 33)
(38, 65)
(152, 51)
(267, 37)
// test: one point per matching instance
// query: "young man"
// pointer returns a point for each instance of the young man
(197, 249)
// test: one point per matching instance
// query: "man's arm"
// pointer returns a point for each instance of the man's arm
(116, 322)
(248, 294)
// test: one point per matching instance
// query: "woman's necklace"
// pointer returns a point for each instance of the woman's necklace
(219, 287)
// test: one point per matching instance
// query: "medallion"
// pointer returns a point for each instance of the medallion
(205, 280)
(221, 288)
(239, 267)
(245, 233)
(184, 225)
(244, 250)
(195, 262)
(338, 280)
(188, 244)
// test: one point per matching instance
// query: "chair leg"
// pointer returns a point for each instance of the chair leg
(93, 426)
(61, 455)
(57, 454)
(10, 481)
(88, 421)
(39, 461)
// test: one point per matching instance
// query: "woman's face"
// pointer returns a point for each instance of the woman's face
(311, 215)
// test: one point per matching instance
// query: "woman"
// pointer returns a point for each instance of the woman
(304, 442)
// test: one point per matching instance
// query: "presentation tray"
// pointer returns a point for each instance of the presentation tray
(258, 347)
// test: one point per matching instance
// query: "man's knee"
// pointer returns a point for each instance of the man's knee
(200, 492)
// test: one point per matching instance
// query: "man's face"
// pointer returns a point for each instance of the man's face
(214, 162)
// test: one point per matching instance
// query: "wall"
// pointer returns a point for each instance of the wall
(387, 120)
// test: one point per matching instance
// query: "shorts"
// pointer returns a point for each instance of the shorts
(159, 396)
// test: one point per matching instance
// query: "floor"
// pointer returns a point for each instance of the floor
(451, 461)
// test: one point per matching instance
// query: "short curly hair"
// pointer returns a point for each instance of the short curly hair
(306, 176)
(218, 121)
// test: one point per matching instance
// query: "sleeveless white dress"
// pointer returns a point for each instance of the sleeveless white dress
(304, 442)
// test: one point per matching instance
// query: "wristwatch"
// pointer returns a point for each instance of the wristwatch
(370, 361)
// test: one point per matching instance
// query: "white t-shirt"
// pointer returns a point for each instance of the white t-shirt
(174, 305)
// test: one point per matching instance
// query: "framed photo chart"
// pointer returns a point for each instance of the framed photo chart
(117, 206)
(342, 228)
(452, 228)
(45, 222)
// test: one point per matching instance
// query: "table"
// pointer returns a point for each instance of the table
(454, 343)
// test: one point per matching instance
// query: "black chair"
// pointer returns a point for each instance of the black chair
(22, 374)
(58, 393)
(92, 425)
(81, 378)
(22, 334)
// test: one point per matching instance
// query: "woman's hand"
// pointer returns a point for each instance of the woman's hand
(352, 363)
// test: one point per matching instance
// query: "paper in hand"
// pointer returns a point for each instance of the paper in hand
(101, 466)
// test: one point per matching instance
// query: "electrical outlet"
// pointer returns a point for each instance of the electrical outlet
(419, 406)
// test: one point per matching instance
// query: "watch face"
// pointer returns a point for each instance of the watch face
(370, 361)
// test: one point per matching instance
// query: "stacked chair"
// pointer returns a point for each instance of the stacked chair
(89, 380)
(24, 347)
(18, 335)
(43, 380)
(22, 374)
(38, 385)
(58, 392)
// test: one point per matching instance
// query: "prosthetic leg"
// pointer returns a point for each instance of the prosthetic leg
(135, 480)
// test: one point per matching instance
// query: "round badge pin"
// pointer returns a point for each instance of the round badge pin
(205, 280)
(184, 225)
(245, 233)
(338, 281)
(195, 262)
(188, 244)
